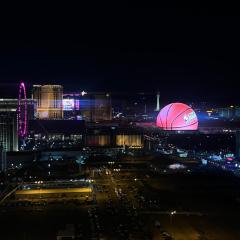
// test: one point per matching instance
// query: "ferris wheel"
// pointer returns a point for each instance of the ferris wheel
(22, 111)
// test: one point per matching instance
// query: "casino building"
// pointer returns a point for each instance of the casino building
(8, 122)
(91, 107)
(86, 134)
(49, 101)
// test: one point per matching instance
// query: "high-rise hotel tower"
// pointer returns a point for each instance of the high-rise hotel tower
(49, 101)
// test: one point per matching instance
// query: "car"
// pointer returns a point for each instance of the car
(165, 234)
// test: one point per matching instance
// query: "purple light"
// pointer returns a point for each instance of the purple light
(22, 113)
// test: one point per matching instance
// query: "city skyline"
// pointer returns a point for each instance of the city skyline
(120, 122)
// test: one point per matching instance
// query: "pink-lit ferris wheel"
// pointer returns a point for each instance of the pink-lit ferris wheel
(22, 111)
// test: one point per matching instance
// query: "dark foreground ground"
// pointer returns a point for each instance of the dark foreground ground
(133, 201)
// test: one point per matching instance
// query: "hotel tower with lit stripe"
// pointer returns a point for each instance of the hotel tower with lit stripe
(49, 101)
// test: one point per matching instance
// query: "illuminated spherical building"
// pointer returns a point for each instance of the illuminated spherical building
(177, 116)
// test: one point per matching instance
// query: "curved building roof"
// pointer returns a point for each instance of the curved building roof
(177, 116)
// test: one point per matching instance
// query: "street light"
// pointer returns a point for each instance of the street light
(171, 215)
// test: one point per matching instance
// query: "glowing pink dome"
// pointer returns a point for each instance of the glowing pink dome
(177, 116)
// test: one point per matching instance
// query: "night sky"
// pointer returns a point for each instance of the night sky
(188, 53)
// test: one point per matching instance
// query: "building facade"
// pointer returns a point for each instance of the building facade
(227, 112)
(49, 100)
(11, 105)
(102, 107)
(8, 131)
(3, 159)
(237, 144)
(91, 107)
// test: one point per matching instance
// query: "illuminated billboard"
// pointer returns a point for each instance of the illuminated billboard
(68, 104)
(177, 116)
